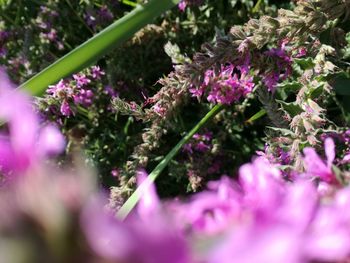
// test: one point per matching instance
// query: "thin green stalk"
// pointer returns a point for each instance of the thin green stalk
(135, 197)
(127, 2)
(79, 17)
(97, 46)
(257, 7)
(256, 116)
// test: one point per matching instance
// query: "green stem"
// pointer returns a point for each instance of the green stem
(256, 8)
(135, 197)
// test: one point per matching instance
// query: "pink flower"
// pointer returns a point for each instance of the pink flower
(81, 79)
(96, 72)
(225, 87)
(182, 5)
(26, 143)
(148, 205)
(316, 167)
(66, 109)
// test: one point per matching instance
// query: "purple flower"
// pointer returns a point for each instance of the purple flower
(182, 5)
(197, 92)
(109, 90)
(262, 185)
(271, 80)
(226, 87)
(81, 79)
(104, 232)
(301, 52)
(202, 147)
(60, 90)
(96, 72)
(105, 14)
(147, 236)
(50, 141)
(157, 108)
(282, 68)
(83, 97)
(66, 109)
(211, 211)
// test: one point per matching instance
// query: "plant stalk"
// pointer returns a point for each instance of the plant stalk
(124, 211)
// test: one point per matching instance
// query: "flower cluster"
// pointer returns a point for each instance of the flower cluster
(265, 219)
(282, 69)
(78, 90)
(225, 87)
(96, 18)
(45, 22)
(200, 143)
(259, 218)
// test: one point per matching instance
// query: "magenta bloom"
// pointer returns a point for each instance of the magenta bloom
(147, 236)
(225, 87)
(66, 109)
(282, 70)
(96, 72)
(182, 5)
(81, 79)
(26, 143)
(316, 167)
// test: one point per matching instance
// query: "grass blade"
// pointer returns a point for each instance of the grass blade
(135, 197)
(97, 46)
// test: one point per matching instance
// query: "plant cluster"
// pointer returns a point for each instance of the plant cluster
(266, 179)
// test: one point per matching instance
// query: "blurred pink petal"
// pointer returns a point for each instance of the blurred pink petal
(51, 141)
(149, 201)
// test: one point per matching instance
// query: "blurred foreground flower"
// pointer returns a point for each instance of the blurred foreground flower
(26, 143)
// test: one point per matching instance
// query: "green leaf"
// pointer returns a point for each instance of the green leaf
(292, 108)
(281, 130)
(305, 63)
(97, 46)
(290, 86)
(286, 88)
(315, 92)
(342, 85)
(4, 3)
(135, 197)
